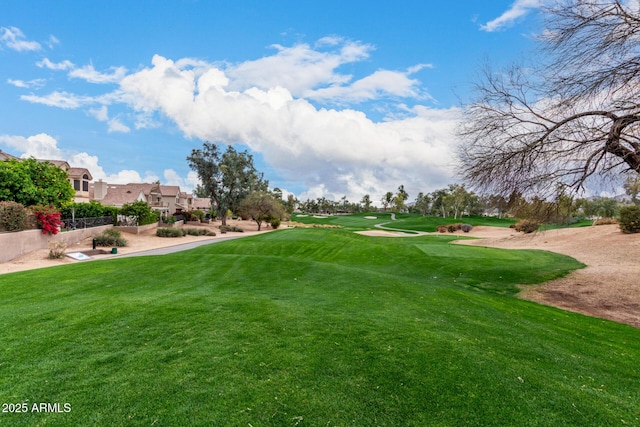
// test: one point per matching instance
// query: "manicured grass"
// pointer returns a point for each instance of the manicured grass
(311, 328)
(409, 222)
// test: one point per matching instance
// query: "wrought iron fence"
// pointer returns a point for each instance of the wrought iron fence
(74, 224)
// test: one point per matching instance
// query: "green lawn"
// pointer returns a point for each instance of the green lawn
(409, 222)
(310, 327)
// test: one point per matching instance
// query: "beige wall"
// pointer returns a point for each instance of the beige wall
(15, 244)
(137, 229)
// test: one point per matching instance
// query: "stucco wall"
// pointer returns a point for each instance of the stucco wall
(15, 244)
(138, 229)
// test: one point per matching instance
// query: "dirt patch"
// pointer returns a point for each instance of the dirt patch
(609, 287)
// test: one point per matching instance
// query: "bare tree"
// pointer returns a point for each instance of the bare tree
(573, 115)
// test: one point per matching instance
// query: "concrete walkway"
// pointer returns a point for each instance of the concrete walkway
(382, 226)
(178, 248)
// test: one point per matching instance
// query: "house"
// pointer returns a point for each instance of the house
(78, 177)
(203, 204)
(6, 156)
(185, 201)
(166, 199)
(114, 194)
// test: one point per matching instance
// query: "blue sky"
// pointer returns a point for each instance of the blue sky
(332, 98)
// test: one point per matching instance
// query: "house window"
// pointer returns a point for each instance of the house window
(85, 185)
(76, 184)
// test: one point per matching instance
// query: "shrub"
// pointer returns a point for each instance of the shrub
(225, 228)
(275, 223)
(56, 250)
(527, 225)
(112, 211)
(13, 216)
(141, 210)
(441, 229)
(605, 221)
(466, 227)
(93, 209)
(452, 228)
(170, 232)
(110, 237)
(199, 232)
(630, 219)
(47, 219)
(186, 215)
(197, 214)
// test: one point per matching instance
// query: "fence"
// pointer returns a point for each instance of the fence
(79, 223)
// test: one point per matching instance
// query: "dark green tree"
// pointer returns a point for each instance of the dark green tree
(30, 182)
(227, 178)
(423, 204)
(291, 203)
(632, 188)
(386, 200)
(366, 203)
(399, 199)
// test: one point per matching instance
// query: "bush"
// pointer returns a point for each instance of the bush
(466, 227)
(110, 237)
(93, 209)
(199, 232)
(452, 228)
(275, 223)
(47, 219)
(527, 225)
(170, 232)
(13, 216)
(56, 250)
(630, 219)
(225, 228)
(112, 211)
(197, 214)
(441, 229)
(605, 221)
(141, 210)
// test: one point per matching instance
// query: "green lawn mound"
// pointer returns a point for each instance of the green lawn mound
(312, 327)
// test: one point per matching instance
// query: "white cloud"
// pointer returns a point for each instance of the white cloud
(89, 74)
(116, 125)
(30, 84)
(265, 105)
(518, 9)
(14, 39)
(334, 151)
(40, 146)
(63, 65)
(126, 176)
(53, 40)
(102, 113)
(379, 84)
(187, 184)
(298, 68)
(63, 100)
